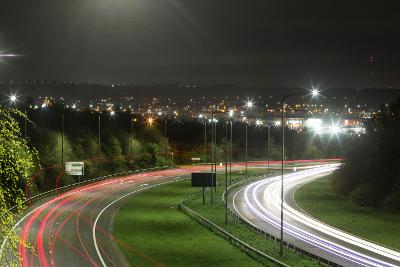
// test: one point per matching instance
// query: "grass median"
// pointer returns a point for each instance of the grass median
(152, 232)
(318, 199)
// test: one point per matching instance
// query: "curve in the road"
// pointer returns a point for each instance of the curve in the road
(259, 203)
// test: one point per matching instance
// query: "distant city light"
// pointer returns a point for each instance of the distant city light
(278, 123)
(334, 129)
(258, 122)
(112, 113)
(201, 116)
(231, 113)
(249, 104)
(313, 123)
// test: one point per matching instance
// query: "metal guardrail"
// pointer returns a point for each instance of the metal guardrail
(269, 236)
(251, 251)
(69, 187)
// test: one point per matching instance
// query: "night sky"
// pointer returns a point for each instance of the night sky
(252, 42)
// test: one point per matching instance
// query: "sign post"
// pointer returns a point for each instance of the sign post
(195, 159)
(75, 169)
(204, 179)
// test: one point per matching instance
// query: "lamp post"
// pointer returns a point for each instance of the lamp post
(231, 156)
(215, 152)
(249, 105)
(205, 140)
(99, 131)
(246, 151)
(314, 93)
(165, 137)
(268, 147)
(226, 172)
(231, 114)
(62, 139)
(131, 141)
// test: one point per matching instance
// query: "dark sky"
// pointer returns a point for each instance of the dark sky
(246, 42)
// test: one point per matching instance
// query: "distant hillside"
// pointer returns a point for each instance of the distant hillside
(85, 91)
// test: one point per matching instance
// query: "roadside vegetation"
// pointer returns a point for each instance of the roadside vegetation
(129, 141)
(370, 176)
(17, 163)
(318, 199)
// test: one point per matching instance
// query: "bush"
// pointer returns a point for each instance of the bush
(365, 195)
(392, 202)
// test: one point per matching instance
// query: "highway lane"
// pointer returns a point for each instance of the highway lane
(259, 203)
(74, 228)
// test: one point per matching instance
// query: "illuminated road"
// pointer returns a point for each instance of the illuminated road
(74, 229)
(259, 204)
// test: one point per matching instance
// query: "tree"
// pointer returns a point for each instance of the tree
(16, 167)
(371, 175)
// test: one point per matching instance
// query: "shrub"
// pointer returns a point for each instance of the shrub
(392, 202)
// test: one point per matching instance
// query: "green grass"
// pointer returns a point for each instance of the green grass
(152, 232)
(216, 213)
(318, 199)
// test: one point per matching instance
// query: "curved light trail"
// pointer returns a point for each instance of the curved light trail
(259, 204)
(74, 227)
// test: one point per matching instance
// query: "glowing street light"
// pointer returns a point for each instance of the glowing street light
(258, 122)
(249, 104)
(231, 113)
(13, 98)
(112, 113)
(334, 129)
(201, 116)
(150, 122)
(314, 92)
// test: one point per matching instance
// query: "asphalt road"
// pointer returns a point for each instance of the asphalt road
(75, 228)
(259, 203)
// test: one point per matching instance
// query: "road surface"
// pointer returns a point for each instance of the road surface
(259, 203)
(75, 228)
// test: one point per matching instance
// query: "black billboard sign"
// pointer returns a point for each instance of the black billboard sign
(204, 179)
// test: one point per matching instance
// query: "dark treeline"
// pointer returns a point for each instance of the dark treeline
(128, 142)
(371, 174)
(125, 144)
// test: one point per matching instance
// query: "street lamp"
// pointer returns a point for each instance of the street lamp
(314, 93)
(268, 147)
(249, 104)
(150, 121)
(13, 98)
(99, 130)
(231, 114)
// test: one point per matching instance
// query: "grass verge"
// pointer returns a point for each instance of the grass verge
(155, 233)
(318, 199)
